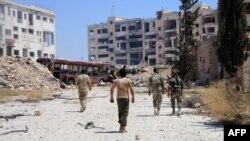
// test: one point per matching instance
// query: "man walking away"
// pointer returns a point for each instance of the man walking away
(123, 86)
(156, 85)
(83, 83)
(176, 87)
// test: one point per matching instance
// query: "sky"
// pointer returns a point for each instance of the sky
(73, 17)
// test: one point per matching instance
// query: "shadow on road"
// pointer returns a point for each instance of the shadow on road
(105, 132)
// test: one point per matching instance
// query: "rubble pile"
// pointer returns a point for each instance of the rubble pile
(140, 74)
(25, 74)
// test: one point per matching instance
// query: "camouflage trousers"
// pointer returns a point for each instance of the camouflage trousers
(177, 96)
(157, 99)
(123, 108)
(83, 100)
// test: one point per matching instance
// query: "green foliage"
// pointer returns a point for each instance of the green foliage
(185, 41)
(231, 38)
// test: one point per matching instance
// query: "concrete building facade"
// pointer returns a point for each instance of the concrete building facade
(26, 31)
(132, 41)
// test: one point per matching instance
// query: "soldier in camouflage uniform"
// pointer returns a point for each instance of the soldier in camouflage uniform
(156, 85)
(175, 87)
(83, 83)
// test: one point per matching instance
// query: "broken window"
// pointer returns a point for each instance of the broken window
(103, 48)
(152, 44)
(123, 46)
(170, 34)
(131, 27)
(117, 28)
(32, 54)
(168, 43)
(103, 40)
(48, 38)
(31, 22)
(25, 52)
(204, 30)
(111, 41)
(99, 31)
(111, 33)
(92, 57)
(19, 17)
(159, 28)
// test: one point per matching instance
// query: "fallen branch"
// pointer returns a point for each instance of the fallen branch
(25, 131)
(12, 116)
(90, 125)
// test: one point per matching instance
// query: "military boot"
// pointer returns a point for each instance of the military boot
(173, 111)
(158, 112)
(155, 111)
(179, 112)
(123, 129)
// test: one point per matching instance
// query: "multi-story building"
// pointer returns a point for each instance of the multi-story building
(131, 41)
(26, 31)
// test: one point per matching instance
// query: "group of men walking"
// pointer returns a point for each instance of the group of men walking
(123, 84)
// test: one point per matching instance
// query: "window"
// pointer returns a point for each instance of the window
(135, 44)
(1, 32)
(110, 22)
(159, 28)
(14, 13)
(15, 28)
(31, 22)
(38, 33)
(121, 61)
(104, 31)
(52, 55)
(121, 54)
(25, 16)
(92, 57)
(38, 17)
(45, 55)
(15, 36)
(48, 38)
(25, 52)
(1, 51)
(32, 54)
(51, 20)
(19, 17)
(9, 12)
(210, 30)
(111, 33)
(111, 41)
(45, 19)
(131, 28)
(153, 24)
(1, 11)
(39, 53)
(204, 30)
(123, 28)
(92, 48)
(7, 32)
(99, 31)
(31, 31)
(91, 32)
(146, 27)
(24, 30)
(103, 55)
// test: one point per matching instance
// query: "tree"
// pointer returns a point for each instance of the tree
(185, 41)
(231, 38)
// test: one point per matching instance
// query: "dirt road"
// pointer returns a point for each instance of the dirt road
(60, 120)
